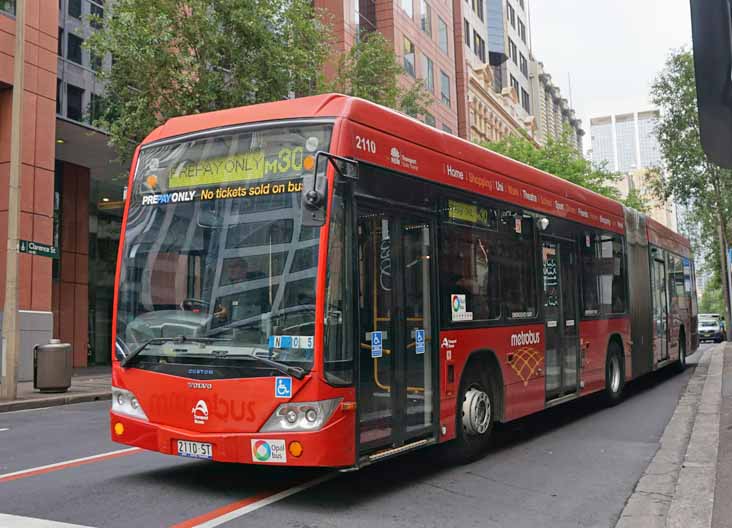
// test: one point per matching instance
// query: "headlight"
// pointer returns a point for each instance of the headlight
(300, 416)
(124, 402)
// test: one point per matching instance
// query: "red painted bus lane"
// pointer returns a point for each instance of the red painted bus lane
(31, 472)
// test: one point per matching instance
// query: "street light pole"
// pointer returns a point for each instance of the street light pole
(10, 342)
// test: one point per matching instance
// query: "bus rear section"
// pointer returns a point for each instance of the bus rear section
(218, 311)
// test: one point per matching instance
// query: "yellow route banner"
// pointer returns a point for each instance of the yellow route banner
(240, 167)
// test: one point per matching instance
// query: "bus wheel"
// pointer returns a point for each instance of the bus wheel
(475, 415)
(681, 363)
(614, 374)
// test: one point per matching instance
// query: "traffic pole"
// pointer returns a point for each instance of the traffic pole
(11, 341)
(725, 276)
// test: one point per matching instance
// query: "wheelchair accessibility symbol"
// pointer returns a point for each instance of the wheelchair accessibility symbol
(283, 387)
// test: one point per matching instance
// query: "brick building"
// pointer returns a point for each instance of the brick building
(71, 188)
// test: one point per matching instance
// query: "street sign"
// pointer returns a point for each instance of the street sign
(36, 248)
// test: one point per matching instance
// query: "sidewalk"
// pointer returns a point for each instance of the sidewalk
(86, 385)
(694, 460)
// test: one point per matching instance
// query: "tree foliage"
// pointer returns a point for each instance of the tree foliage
(561, 158)
(173, 58)
(690, 178)
(370, 70)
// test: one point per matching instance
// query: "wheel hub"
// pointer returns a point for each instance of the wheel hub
(476, 412)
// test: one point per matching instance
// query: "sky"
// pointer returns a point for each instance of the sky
(611, 49)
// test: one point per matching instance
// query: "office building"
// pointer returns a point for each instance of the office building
(626, 142)
(487, 111)
(423, 37)
(552, 111)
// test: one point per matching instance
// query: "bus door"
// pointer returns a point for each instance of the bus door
(660, 306)
(560, 309)
(396, 346)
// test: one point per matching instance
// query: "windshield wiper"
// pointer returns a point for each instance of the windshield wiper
(297, 372)
(179, 339)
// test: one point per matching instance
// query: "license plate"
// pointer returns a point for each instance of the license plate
(190, 449)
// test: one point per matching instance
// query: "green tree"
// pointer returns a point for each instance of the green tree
(561, 158)
(690, 178)
(370, 70)
(172, 58)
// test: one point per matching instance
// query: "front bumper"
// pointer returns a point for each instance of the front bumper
(332, 446)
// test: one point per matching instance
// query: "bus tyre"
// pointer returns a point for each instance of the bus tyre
(681, 363)
(476, 408)
(614, 374)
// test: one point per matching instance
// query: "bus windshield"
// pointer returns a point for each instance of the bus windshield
(216, 264)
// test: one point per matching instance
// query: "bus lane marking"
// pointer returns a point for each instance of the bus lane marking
(240, 508)
(31, 472)
(15, 521)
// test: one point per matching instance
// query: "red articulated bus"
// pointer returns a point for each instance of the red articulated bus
(325, 282)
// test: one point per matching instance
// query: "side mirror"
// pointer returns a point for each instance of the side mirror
(711, 25)
(314, 194)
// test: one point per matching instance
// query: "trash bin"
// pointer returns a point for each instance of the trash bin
(52, 366)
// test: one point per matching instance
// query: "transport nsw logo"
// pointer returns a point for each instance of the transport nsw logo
(525, 361)
(200, 413)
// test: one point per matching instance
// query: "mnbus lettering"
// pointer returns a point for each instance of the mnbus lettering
(180, 404)
(525, 338)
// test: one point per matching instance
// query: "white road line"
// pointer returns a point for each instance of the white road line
(14, 521)
(265, 502)
(4, 429)
(67, 463)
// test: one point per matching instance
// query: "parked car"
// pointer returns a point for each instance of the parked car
(711, 330)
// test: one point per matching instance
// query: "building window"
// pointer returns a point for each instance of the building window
(479, 46)
(60, 42)
(95, 61)
(524, 65)
(478, 8)
(73, 48)
(426, 14)
(522, 30)
(525, 101)
(446, 128)
(97, 15)
(74, 98)
(515, 85)
(59, 85)
(75, 8)
(445, 88)
(409, 57)
(466, 30)
(428, 70)
(407, 7)
(521, 3)
(513, 51)
(511, 14)
(8, 6)
(429, 119)
(95, 108)
(442, 35)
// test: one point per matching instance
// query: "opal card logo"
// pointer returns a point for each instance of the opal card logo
(269, 451)
(459, 308)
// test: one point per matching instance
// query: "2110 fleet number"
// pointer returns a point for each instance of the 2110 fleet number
(365, 144)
